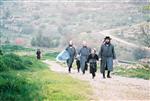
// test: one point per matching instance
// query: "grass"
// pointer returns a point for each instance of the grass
(143, 73)
(35, 82)
(14, 48)
(50, 55)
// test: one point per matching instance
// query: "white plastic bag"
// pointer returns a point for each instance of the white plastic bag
(63, 56)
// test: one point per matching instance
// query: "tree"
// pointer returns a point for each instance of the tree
(44, 41)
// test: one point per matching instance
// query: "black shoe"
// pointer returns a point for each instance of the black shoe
(108, 76)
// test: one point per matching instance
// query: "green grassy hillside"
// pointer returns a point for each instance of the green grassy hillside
(23, 78)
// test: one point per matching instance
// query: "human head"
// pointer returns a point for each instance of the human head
(84, 43)
(93, 51)
(70, 42)
(107, 39)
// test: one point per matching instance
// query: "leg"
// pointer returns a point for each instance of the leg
(84, 71)
(78, 65)
(93, 74)
(84, 68)
(69, 69)
(108, 74)
(78, 69)
(104, 75)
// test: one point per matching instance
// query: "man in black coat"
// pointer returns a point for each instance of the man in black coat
(107, 54)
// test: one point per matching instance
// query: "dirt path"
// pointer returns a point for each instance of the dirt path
(116, 88)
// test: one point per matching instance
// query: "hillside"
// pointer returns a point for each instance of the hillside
(52, 24)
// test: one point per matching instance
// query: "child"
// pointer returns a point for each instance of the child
(92, 60)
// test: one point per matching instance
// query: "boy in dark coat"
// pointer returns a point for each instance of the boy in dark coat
(72, 52)
(107, 54)
(92, 59)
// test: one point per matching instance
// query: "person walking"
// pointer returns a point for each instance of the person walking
(84, 52)
(72, 53)
(38, 54)
(107, 54)
(92, 60)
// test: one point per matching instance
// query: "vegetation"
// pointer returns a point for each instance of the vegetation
(134, 72)
(27, 79)
(13, 48)
(50, 55)
(140, 54)
(44, 41)
(62, 20)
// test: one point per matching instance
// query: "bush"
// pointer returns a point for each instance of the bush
(11, 61)
(44, 41)
(13, 88)
(11, 48)
(3, 66)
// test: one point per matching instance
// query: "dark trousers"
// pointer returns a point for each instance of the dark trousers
(38, 57)
(69, 65)
(108, 73)
(93, 68)
(78, 65)
(85, 68)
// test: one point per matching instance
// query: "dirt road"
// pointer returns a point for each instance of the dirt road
(116, 88)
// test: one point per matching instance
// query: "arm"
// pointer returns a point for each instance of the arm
(66, 49)
(75, 52)
(88, 59)
(97, 57)
(100, 52)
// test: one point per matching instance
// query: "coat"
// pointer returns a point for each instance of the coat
(38, 53)
(107, 54)
(84, 52)
(72, 53)
(92, 59)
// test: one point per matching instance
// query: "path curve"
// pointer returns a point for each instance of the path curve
(116, 88)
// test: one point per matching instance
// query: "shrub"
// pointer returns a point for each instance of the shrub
(13, 88)
(3, 66)
(11, 61)
(11, 48)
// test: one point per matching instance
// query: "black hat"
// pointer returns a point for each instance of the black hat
(107, 37)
